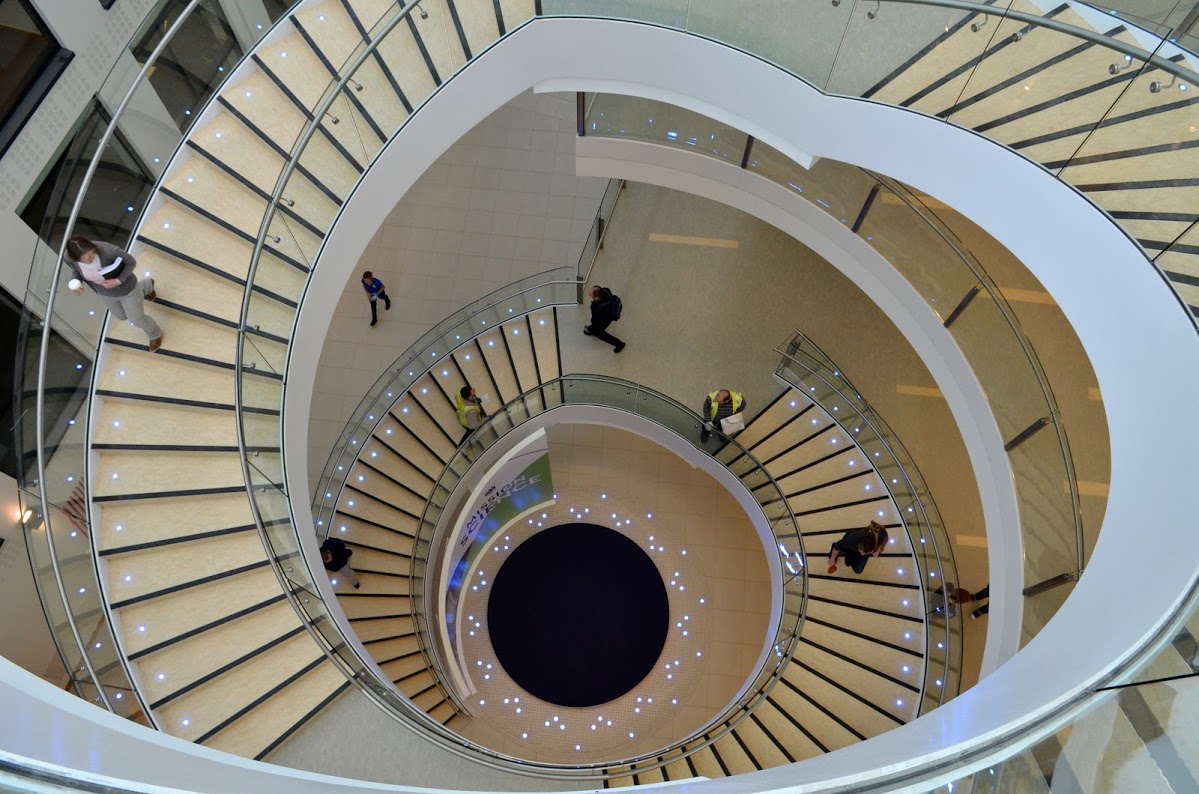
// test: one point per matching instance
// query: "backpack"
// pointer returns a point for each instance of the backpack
(617, 307)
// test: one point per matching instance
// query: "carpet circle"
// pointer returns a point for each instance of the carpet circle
(578, 614)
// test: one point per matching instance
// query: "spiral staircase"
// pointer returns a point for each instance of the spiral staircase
(216, 650)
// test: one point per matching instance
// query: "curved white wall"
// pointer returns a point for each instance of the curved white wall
(1042, 221)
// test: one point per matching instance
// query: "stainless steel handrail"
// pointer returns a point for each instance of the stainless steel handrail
(44, 352)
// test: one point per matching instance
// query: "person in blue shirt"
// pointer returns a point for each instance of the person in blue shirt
(375, 290)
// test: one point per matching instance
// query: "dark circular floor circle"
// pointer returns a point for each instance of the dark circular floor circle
(578, 615)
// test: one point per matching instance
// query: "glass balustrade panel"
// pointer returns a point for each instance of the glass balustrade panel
(618, 116)
(838, 189)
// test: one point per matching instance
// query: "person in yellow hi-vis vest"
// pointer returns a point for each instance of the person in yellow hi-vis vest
(719, 406)
(470, 410)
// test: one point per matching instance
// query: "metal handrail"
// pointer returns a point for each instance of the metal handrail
(44, 351)
(744, 700)
(890, 441)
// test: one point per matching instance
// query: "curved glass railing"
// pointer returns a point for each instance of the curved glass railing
(807, 368)
(61, 332)
(666, 412)
(956, 287)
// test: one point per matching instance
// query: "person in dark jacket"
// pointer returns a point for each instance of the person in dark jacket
(375, 290)
(336, 556)
(111, 273)
(603, 304)
(858, 546)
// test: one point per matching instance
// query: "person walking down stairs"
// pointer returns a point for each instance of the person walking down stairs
(606, 309)
(111, 273)
(375, 290)
(981, 595)
(469, 407)
(336, 556)
(722, 411)
(858, 546)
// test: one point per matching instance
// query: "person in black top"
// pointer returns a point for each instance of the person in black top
(603, 304)
(858, 546)
(336, 556)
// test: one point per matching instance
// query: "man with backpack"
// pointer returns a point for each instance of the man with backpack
(606, 309)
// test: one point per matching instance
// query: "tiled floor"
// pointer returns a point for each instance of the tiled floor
(701, 539)
(501, 204)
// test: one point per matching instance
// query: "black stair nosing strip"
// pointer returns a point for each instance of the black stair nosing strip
(208, 215)
(905, 555)
(786, 714)
(533, 350)
(557, 336)
(491, 372)
(383, 440)
(389, 478)
(1016, 79)
(972, 63)
(860, 580)
(864, 666)
(375, 572)
(838, 506)
(415, 437)
(229, 170)
(1142, 184)
(414, 674)
(487, 367)
(716, 754)
(872, 610)
(499, 22)
(1174, 247)
(687, 758)
(1102, 124)
(221, 489)
(274, 78)
(1182, 278)
(262, 699)
(179, 307)
(193, 583)
(392, 637)
(932, 45)
(753, 716)
(168, 400)
(153, 544)
(108, 340)
(1122, 154)
(401, 657)
(191, 260)
(1149, 215)
(359, 594)
(320, 185)
(801, 442)
(366, 116)
(336, 144)
(367, 618)
(254, 128)
(461, 33)
(369, 547)
(320, 55)
(864, 701)
(204, 679)
(167, 447)
(385, 503)
(745, 749)
(843, 530)
(821, 708)
(453, 441)
(1069, 96)
(865, 472)
(283, 340)
(520, 387)
(780, 477)
(862, 636)
(424, 51)
(270, 748)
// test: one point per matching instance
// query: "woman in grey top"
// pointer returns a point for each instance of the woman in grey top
(112, 274)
